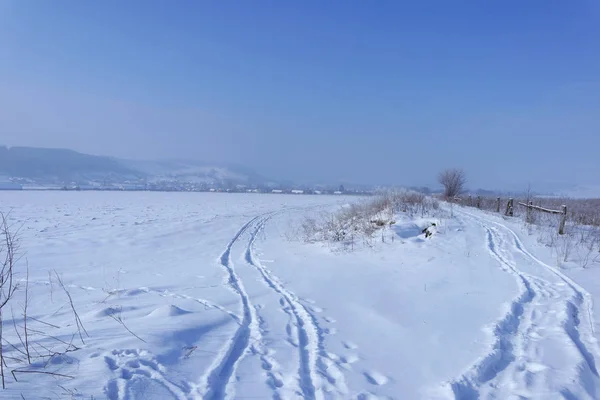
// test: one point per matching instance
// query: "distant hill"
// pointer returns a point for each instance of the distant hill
(59, 165)
(43, 166)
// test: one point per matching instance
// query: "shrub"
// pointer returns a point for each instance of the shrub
(362, 220)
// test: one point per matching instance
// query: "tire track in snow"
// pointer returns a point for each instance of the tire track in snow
(307, 332)
(505, 331)
(580, 299)
(219, 380)
(312, 358)
(553, 313)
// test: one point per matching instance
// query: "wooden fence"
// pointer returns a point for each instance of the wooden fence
(509, 211)
(563, 220)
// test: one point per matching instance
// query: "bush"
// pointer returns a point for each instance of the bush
(361, 221)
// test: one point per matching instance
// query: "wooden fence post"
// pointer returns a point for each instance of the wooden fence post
(509, 208)
(498, 205)
(563, 221)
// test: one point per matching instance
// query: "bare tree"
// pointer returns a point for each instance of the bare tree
(453, 180)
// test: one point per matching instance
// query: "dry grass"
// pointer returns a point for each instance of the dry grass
(581, 241)
(358, 223)
(580, 211)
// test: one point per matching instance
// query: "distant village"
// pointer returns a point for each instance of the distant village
(179, 186)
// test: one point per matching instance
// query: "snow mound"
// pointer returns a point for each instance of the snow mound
(408, 230)
(168, 311)
(112, 310)
(415, 228)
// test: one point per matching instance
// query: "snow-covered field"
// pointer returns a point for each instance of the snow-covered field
(205, 296)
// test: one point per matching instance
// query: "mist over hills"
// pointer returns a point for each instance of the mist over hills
(43, 166)
(58, 165)
(48, 167)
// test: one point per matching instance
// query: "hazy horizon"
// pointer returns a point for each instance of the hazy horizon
(385, 94)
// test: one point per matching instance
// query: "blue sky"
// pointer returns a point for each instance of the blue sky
(362, 91)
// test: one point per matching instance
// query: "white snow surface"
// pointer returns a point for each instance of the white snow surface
(224, 305)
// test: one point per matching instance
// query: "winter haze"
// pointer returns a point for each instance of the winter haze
(385, 94)
(212, 200)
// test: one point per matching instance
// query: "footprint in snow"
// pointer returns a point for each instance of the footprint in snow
(376, 378)
(350, 345)
(349, 359)
(329, 319)
(136, 292)
(135, 370)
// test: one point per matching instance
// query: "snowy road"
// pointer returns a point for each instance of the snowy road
(314, 365)
(545, 345)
